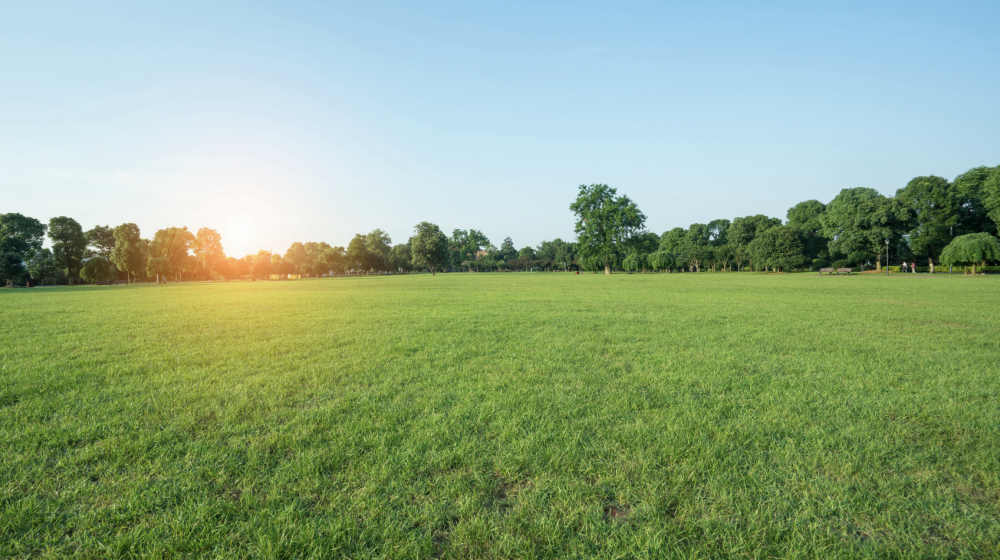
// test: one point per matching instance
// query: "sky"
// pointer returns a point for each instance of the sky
(313, 121)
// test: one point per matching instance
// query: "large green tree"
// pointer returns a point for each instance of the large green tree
(861, 220)
(970, 192)
(20, 234)
(130, 251)
(429, 246)
(97, 269)
(744, 230)
(935, 210)
(804, 216)
(607, 225)
(102, 240)
(207, 247)
(42, 266)
(68, 244)
(779, 248)
(673, 241)
(379, 245)
(971, 249)
(991, 196)
(173, 244)
(11, 267)
(696, 249)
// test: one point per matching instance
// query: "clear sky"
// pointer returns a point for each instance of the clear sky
(283, 121)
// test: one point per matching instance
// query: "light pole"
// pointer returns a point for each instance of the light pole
(886, 258)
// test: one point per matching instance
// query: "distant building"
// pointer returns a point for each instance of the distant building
(481, 254)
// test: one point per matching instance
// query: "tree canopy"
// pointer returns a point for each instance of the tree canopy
(429, 246)
(607, 225)
(971, 249)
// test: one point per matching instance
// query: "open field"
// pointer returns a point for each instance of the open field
(504, 415)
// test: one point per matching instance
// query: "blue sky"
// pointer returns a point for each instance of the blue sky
(288, 121)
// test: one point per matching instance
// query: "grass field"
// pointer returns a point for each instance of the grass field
(504, 415)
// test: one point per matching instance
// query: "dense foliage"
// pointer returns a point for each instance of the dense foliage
(858, 228)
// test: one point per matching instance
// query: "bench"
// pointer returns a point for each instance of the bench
(847, 270)
(826, 270)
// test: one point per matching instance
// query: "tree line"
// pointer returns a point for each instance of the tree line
(930, 219)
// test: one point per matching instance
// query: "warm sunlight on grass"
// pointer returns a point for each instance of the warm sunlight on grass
(504, 415)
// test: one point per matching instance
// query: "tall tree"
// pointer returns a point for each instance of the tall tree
(333, 259)
(358, 257)
(172, 244)
(11, 267)
(41, 265)
(804, 216)
(102, 239)
(744, 230)
(507, 250)
(779, 248)
(298, 258)
(207, 248)
(717, 232)
(862, 220)
(429, 246)
(936, 210)
(970, 192)
(991, 195)
(68, 244)
(129, 253)
(695, 249)
(607, 225)
(378, 244)
(20, 234)
(673, 241)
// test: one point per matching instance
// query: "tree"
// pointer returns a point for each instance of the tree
(607, 225)
(507, 250)
(207, 248)
(172, 244)
(971, 249)
(633, 262)
(717, 232)
(68, 244)
(129, 253)
(673, 240)
(725, 254)
(159, 267)
(20, 234)
(333, 260)
(970, 193)
(400, 259)
(745, 230)
(934, 204)
(526, 254)
(11, 267)
(41, 265)
(429, 247)
(779, 248)
(225, 267)
(695, 249)
(991, 195)
(378, 244)
(662, 260)
(102, 239)
(357, 254)
(97, 269)
(860, 219)
(804, 216)
(263, 266)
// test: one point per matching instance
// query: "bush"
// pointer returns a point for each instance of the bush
(820, 263)
(842, 263)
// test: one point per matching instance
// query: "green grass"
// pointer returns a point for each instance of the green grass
(504, 415)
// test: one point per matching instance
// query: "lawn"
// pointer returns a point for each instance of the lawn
(504, 415)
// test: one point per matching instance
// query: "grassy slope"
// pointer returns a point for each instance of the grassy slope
(504, 415)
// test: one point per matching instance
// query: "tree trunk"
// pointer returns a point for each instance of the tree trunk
(607, 269)
(973, 269)
(930, 263)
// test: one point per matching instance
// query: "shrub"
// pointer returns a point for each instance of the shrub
(842, 263)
